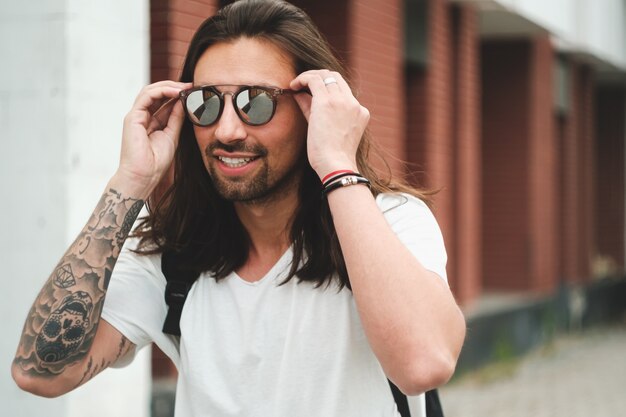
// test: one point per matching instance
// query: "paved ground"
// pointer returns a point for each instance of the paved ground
(577, 375)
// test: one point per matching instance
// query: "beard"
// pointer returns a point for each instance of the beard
(263, 187)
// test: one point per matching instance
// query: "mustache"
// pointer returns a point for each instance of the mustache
(239, 146)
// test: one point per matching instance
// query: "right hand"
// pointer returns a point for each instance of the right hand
(150, 135)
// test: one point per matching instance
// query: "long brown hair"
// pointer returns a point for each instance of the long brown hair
(194, 220)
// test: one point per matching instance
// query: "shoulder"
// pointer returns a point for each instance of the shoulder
(394, 205)
(132, 252)
(416, 227)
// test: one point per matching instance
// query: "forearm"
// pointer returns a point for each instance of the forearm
(63, 320)
(408, 313)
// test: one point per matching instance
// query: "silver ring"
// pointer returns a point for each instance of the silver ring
(330, 80)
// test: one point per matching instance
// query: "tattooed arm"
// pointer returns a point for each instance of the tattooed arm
(63, 343)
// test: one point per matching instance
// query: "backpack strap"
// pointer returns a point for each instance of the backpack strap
(179, 282)
(433, 405)
(401, 401)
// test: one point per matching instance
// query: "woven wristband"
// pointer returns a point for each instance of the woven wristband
(345, 182)
(342, 175)
(334, 174)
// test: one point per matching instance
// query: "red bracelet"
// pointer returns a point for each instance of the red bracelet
(341, 171)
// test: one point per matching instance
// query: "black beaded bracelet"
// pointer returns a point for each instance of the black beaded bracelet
(344, 182)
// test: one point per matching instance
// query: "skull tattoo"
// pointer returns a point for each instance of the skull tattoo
(65, 329)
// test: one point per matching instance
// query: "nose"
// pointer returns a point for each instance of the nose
(229, 127)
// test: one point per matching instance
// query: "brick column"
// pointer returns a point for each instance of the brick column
(587, 169)
(468, 243)
(570, 180)
(542, 169)
(577, 178)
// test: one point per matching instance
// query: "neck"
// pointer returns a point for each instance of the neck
(268, 223)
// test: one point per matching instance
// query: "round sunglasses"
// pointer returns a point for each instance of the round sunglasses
(255, 105)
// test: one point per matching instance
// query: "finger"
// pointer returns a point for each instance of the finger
(152, 97)
(331, 81)
(152, 100)
(161, 105)
(175, 121)
(313, 81)
(163, 84)
(341, 82)
(162, 114)
(151, 88)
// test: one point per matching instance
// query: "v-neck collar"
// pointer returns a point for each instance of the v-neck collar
(280, 265)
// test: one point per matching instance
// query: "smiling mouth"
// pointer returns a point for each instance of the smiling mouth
(235, 162)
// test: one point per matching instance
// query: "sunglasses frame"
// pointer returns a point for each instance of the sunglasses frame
(273, 93)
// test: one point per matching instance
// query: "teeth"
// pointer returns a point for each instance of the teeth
(234, 162)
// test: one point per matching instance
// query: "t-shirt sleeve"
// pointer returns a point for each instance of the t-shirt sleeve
(416, 227)
(134, 302)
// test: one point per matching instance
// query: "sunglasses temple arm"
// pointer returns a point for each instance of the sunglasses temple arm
(289, 91)
(164, 105)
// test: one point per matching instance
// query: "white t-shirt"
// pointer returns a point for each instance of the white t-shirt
(259, 349)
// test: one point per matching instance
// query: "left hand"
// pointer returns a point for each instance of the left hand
(336, 121)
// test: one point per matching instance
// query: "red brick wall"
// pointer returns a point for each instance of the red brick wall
(505, 151)
(577, 178)
(430, 143)
(439, 146)
(609, 210)
(542, 169)
(586, 166)
(376, 60)
(443, 137)
(172, 25)
(559, 136)
(332, 20)
(519, 166)
(570, 180)
(467, 276)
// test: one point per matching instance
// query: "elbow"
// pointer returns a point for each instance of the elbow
(422, 376)
(425, 371)
(38, 386)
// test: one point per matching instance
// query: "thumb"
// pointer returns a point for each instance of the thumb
(175, 122)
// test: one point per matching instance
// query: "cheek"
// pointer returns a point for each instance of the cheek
(295, 130)
(298, 136)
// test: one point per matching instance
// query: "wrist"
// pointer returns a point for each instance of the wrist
(131, 186)
(327, 170)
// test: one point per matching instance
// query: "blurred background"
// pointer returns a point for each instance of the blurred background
(514, 109)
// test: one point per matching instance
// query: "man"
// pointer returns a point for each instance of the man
(318, 280)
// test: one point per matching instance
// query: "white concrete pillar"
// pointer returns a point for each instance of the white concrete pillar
(70, 71)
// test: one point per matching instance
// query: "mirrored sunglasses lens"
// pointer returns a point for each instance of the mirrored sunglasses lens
(203, 106)
(255, 106)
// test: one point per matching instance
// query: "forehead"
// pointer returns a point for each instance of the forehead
(249, 61)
